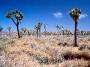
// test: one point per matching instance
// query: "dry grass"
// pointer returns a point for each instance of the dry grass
(45, 52)
(75, 63)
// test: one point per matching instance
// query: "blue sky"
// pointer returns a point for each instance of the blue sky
(50, 12)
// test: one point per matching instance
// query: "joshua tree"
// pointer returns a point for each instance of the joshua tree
(9, 29)
(1, 28)
(15, 15)
(87, 32)
(45, 29)
(38, 29)
(75, 13)
(82, 32)
(60, 28)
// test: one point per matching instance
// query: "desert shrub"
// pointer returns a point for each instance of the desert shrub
(84, 47)
(88, 65)
(54, 60)
(66, 55)
(70, 56)
(75, 63)
(11, 42)
(59, 44)
(41, 60)
(3, 42)
(62, 44)
(88, 47)
(1, 51)
(88, 39)
(61, 57)
(58, 59)
(46, 60)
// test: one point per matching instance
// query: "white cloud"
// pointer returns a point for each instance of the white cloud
(83, 16)
(58, 15)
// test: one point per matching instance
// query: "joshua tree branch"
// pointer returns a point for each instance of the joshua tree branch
(13, 21)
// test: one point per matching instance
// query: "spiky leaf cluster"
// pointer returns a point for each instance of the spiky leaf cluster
(15, 14)
(75, 13)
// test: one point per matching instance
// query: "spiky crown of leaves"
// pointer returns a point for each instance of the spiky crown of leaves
(75, 12)
(15, 14)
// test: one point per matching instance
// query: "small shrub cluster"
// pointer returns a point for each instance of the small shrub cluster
(41, 59)
(82, 47)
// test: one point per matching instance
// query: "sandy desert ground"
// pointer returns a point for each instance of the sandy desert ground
(49, 51)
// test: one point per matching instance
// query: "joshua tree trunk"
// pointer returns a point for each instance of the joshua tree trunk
(37, 33)
(75, 34)
(45, 29)
(63, 32)
(18, 30)
(45, 32)
(10, 33)
(17, 25)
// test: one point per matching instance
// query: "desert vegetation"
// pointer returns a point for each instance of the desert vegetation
(35, 48)
(15, 15)
(75, 13)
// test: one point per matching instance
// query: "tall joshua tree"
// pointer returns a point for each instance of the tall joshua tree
(16, 17)
(75, 13)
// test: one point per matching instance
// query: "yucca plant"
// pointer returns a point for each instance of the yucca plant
(16, 17)
(75, 13)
